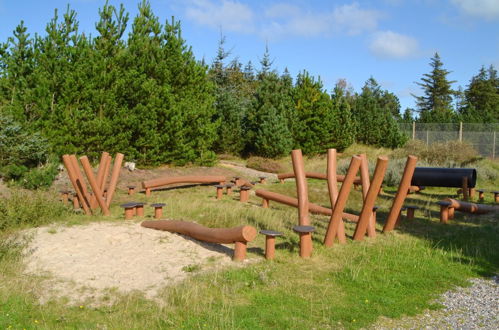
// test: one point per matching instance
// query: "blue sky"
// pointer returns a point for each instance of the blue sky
(391, 40)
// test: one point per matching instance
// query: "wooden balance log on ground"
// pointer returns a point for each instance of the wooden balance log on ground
(198, 179)
(471, 207)
(240, 236)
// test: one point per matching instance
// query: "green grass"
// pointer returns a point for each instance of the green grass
(350, 286)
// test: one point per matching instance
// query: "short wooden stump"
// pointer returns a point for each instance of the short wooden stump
(158, 210)
(129, 210)
(305, 233)
(445, 210)
(244, 194)
(131, 190)
(220, 190)
(270, 236)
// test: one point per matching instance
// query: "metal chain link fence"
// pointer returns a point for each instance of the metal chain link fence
(483, 137)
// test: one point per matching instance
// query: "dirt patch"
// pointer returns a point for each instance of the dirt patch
(86, 263)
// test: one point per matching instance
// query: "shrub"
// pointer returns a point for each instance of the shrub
(448, 154)
(29, 209)
(264, 164)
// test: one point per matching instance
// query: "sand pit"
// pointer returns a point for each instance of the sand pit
(87, 262)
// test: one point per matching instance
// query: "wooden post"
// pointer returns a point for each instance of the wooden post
(101, 170)
(81, 182)
(366, 214)
(460, 131)
(74, 181)
(464, 188)
(413, 130)
(239, 251)
(301, 187)
(93, 183)
(335, 220)
(332, 185)
(107, 166)
(364, 177)
(405, 182)
(114, 177)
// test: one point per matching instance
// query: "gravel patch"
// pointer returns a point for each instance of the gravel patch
(474, 307)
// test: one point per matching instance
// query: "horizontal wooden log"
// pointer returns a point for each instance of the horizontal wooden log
(472, 207)
(291, 201)
(316, 175)
(155, 183)
(213, 235)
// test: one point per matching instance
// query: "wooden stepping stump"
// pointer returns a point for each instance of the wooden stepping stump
(444, 210)
(139, 209)
(228, 189)
(158, 210)
(244, 194)
(481, 194)
(237, 180)
(220, 190)
(410, 211)
(65, 196)
(305, 233)
(263, 179)
(270, 236)
(76, 201)
(131, 190)
(496, 196)
(129, 210)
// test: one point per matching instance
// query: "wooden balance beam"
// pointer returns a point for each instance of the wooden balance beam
(291, 201)
(156, 183)
(238, 235)
(471, 207)
(316, 175)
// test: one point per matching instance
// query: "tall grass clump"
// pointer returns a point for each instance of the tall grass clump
(448, 154)
(29, 209)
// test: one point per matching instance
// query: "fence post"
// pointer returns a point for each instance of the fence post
(461, 131)
(494, 146)
(427, 136)
(413, 130)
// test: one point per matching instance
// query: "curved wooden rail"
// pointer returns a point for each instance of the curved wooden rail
(316, 175)
(155, 183)
(238, 235)
(291, 201)
(471, 207)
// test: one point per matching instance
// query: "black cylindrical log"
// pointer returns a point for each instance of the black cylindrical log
(443, 177)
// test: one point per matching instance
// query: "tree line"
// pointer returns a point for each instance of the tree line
(146, 95)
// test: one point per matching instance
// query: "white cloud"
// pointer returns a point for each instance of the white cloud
(488, 9)
(291, 20)
(230, 15)
(388, 44)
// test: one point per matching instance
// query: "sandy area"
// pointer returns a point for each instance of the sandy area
(87, 262)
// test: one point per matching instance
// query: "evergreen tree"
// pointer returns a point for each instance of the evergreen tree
(436, 103)
(344, 131)
(481, 104)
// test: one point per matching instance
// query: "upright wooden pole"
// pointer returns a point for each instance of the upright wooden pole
(364, 178)
(366, 215)
(332, 185)
(334, 223)
(404, 185)
(102, 167)
(93, 183)
(107, 166)
(465, 188)
(301, 187)
(74, 181)
(114, 178)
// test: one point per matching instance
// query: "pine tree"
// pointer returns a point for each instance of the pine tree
(436, 103)
(481, 104)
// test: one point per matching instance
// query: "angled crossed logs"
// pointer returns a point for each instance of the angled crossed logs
(92, 202)
(93, 183)
(316, 175)
(291, 201)
(404, 185)
(332, 186)
(334, 223)
(364, 177)
(114, 178)
(238, 235)
(76, 184)
(155, 183)
(366, 215)
(472, 207)
(301, 187)
(101, 169)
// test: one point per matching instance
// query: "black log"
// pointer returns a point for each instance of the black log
(443, 177)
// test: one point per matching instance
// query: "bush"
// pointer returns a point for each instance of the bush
(448, 154)
(264, 165)
(29, 209)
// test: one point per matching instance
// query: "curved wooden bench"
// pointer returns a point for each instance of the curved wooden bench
(156, 183)
(315, 175)
(291, 201)
(238, 235)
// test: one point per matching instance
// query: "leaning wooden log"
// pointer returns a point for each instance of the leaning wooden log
(301, 188)
(332, 186)
(160, 182)
(291, 201)
(472, 207)
(238, 235)
(77, 185)
(87, 168)
(316, 175)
